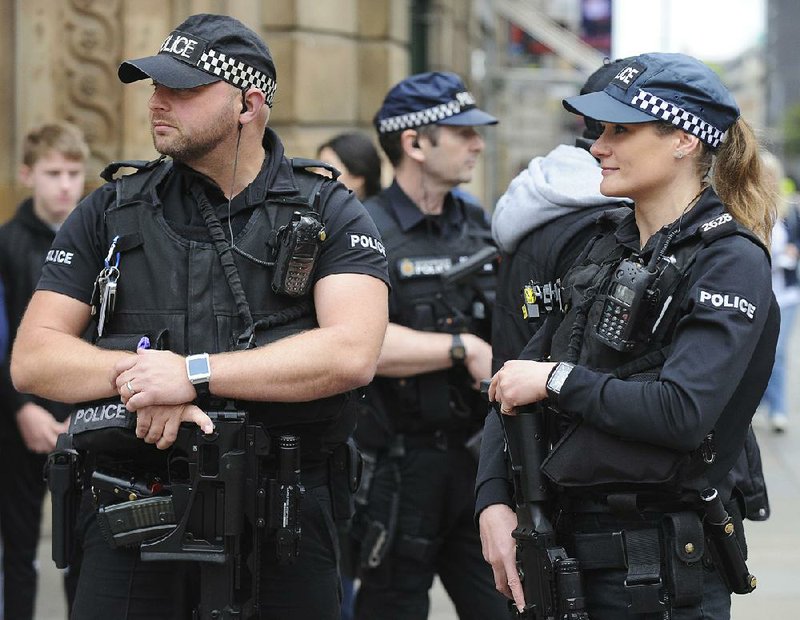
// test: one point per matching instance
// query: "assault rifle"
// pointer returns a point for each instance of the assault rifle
(551, 581)
(217, 489)
(227, 506)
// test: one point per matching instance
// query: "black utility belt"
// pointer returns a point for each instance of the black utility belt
(662, 558)
(623, 505)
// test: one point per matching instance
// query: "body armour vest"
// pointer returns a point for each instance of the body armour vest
(424, 299)
(175, 287)
(586, 457)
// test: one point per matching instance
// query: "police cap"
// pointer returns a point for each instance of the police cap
(670, 87)
(205, 49)
(432, 98)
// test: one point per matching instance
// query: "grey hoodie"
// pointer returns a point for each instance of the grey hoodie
(567, 179)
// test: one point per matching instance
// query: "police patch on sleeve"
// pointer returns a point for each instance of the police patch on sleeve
(59, 257)
(366, 242)
(726, 301)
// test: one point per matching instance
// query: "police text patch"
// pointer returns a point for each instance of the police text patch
(366, 242)
(101, 414)
(628, 75)
(726, 301)
(60, 257)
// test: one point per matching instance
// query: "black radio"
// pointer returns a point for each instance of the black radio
(627, 303)
(298, 247)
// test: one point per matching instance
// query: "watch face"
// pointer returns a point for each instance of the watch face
(198, 366)
(458, 352)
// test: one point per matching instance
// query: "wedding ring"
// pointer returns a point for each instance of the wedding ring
(130, 388)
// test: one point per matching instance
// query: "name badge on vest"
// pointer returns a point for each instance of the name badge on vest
(422, 266)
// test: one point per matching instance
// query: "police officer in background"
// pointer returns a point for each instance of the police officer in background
(665, 349)
(245, 269)
(414, 510)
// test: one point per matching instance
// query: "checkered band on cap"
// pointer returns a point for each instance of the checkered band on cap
(237, 73)
(690, 123)
(464, 101)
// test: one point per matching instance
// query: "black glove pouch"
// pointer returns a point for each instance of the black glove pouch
(105, 425)
(585, 456)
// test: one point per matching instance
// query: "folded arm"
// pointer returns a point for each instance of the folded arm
(338, 356)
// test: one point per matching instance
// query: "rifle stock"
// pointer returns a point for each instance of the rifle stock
(466, 268)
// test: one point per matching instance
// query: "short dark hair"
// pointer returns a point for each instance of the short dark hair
(390, 142)
(359, 154)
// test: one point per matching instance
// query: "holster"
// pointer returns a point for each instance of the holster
(345, 467)
(375, 520)
(63, 475)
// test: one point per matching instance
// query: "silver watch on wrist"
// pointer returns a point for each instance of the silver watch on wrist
(556, 379)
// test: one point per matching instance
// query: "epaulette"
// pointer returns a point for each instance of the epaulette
(138, 164)
(304, 164)
(612, 218)
(718, 226)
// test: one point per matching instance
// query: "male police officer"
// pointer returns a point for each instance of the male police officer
(254, 268)
(416, 519)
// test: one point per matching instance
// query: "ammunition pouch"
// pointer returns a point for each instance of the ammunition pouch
(663, 562)
(684, 549)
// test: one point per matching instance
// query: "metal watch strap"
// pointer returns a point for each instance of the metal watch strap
(555, 380)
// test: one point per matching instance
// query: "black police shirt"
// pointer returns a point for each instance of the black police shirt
(724, 315)
(79, 249)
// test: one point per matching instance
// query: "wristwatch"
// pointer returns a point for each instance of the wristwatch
(458, 352)
(198, 369)
(556, 378)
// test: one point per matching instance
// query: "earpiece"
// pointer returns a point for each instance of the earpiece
(244, 104)
(415, 143)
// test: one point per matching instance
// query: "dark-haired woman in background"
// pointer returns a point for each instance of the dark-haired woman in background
(356, 157)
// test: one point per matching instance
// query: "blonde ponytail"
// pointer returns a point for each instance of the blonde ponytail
(741, 182)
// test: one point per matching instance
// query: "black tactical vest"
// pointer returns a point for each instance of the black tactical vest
(176, 286)
(585, 456)
(444, 399)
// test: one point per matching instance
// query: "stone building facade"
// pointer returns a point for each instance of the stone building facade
(335, 60)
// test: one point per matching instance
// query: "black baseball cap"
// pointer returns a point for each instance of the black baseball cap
(432, 98)
(205, 49)
(670, 87)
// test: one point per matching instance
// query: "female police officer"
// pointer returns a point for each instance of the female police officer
(662, 355)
